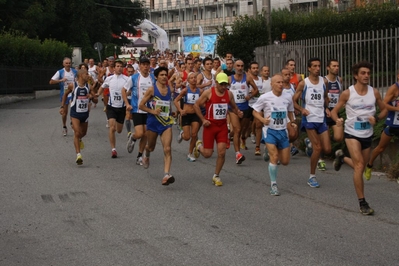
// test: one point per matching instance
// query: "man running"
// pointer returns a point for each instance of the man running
(116, 109)
(64, 77)
(217, 100)
(275, 109)
(359, 101)
(295, 78)
(239, 86)
(81, 96)
(138, 85)
(391, 129)
(105, 72)
(312, 91)
(159, 121)
(206, 79)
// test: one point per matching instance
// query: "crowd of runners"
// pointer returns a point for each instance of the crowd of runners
(232, 103)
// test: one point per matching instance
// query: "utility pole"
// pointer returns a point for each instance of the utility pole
(266, 8)
(255, 8)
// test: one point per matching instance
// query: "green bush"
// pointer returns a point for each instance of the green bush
(17, 49)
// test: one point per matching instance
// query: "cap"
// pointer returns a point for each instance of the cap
(222, 78)
(144, 60)
(111, 58)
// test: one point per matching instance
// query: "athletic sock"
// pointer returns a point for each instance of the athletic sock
(140, 154)
(273, 172)
(362, 201)
(369, 166)
(311, 176)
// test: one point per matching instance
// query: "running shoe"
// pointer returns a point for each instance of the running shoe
(146, 162)
(321, 165)
(190, 158)
(168, 179)
(294, 151)
(217, 181)
(365, 209)
(312, 182)
(130, 144)
(105, 108)
(338, 161)
(240, 158)
(274, 190)
(196, 151)
(107, 125)
(114, 154)
(309, 148)
(243, 146)
(266, 156)
(180, 136)
(253, 138)
(81, 144)
(139, 161)
(79, 159)
(257, 151)
(64, 131)
(367, 173)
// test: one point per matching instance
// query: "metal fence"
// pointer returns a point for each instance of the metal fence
(17, 80)
(378, 47)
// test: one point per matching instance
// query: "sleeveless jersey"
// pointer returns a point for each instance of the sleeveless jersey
(334, 89)
(216, 107)
(192, 96)
(80, 101)
(259, 84)
(240, 91)
(266, 85)
(139, 85)
(163, 102)
(313, 100)
(290, 90)
(393, 116)
(108, 72)
(358, 110)
(92, 72)
(294, 80)
(205, 80)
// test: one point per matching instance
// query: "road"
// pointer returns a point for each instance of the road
(114, 212)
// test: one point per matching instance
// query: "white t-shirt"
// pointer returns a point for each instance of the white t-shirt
(277, 107)
(115, 84)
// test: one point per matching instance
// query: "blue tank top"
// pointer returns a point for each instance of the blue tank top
(163, 102)
(240, 90)
(393, 117)
(191, 97)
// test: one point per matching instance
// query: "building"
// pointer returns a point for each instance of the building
(174, 15)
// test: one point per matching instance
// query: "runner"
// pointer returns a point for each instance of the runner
(64, 77)
(206, 80)
(391, 129)
(239, 86)
(275, 109)
(295, 78)
(116, 109)
(312, 91)
(359, 101)
(128, 117)
(217, 99)
(137, 85)
(105, 72)
(159, 121)
(190, 121)
(81, 96)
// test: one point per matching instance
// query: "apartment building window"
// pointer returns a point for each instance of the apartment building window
(169, 3)
(152, 4)
(186, 1)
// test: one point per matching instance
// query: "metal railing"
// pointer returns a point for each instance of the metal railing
(381, 48)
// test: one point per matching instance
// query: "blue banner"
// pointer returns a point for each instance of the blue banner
(193, 44)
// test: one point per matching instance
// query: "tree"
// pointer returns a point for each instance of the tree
(77, 22)
(246, 34)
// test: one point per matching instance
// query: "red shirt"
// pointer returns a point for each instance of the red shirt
(217, 107)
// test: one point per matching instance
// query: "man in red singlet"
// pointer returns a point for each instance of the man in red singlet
(295, 78)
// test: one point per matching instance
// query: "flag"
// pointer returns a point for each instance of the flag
(201, 39)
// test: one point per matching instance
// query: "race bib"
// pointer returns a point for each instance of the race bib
(116, 99)
(316, 98)
(396, 119)
(219, 111)
(362, 125)
(192, 98)
(278, 118)
(82, 105)
(239, 96)
(164, 106)
(333, 99)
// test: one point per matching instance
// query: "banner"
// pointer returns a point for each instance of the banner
(156, 32)
(201, 33)
(193, 44)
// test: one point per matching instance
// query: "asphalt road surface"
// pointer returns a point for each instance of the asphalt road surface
(114, 212)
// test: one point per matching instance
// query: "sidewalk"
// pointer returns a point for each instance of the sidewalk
(12, 98)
